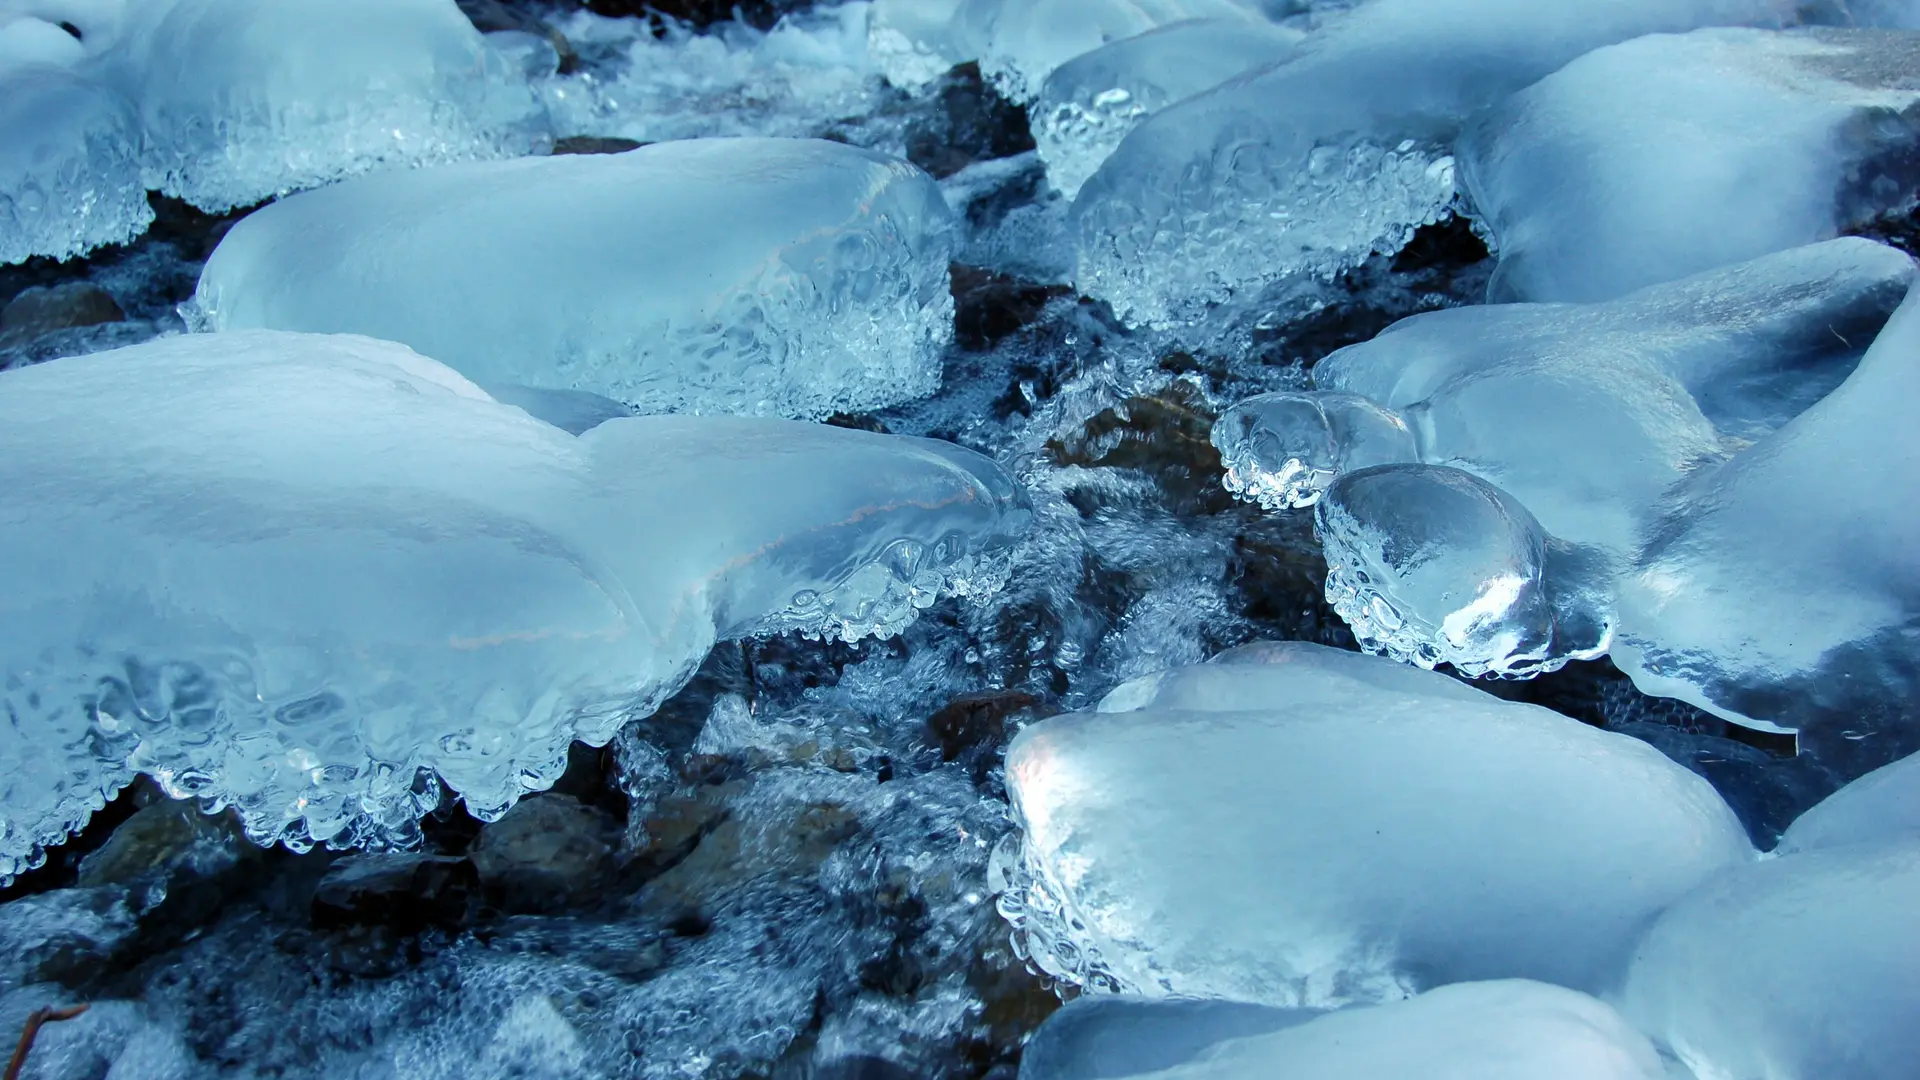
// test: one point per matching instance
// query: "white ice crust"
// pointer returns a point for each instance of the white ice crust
(1672, 154)
(306, 575)
(1340, 829)
(756, 276)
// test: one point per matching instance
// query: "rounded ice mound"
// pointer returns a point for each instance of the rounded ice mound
(1350, 839)
(1281, 450)
(1090, 102)
(304, 575)
(1882, 805)
(1108, 1037)
(794, 277)
(1749, 602)
(246, 99)
(69, 167)
(1430, 564)
(1504, 1030)
(1312, 165)
(1030, 39)
(1805, 967)
(1671, 154)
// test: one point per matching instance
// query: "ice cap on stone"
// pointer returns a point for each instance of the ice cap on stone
(69, 162)
(1343, 829)
(1672, 154)
(793, 277)
(305, 575)
(1309, 166)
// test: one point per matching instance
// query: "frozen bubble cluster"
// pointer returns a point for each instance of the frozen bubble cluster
(1299, 826)
(1091, 102)
(1507, 488)
(1672, 154)
(764, 276)
(304, 575)
(1309, 166)
(227, 102)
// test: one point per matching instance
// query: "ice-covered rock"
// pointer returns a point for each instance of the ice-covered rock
(1504, 1030)
(1090, 102)
(302, 575)
(1029, 39)
(1761, 607)
(1343, 830)
(246, 99)
(1882, 805)
(69, 162)
(764, 276)
(1574, 422)
(1671, 154)
(1805, 967)
(1309, 166)
(1109, 1037)
(917, 41)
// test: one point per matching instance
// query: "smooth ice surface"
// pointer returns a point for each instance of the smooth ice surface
(1504, 1030)
(1308, 167)
(1345, 842)
(764, 276)
(1575, 423)
(1754, 604)
(1882, 805)
(1805, 967)
(301, 575)
(245, 99)
(1090, 102)
(1108, 1038)
(1671, 154)
(1031, 38)
(69, 172)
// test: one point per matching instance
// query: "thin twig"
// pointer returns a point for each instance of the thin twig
(38, 1019)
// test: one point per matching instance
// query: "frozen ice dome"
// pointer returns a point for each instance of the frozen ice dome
(1768, 607)
(1655, 385)
(1671, 154)
(1805, 967)
(1504, 1030)
(1090, 102)
(762, 276)
(1349, 839)
(245, 99)
(303, 575)
(1310, 166)
(1882, 805)
(1031, 38)
(1109, 1037)
(69, 167)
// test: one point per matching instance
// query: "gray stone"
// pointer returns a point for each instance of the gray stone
(548, 853)
(46, 308)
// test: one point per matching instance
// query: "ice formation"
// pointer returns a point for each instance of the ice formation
(303, 575)
(1805, 967)
(1108, 1037)
(763, 276)
(1341, 829)
(1504, 1030)
(1308, 167)
(1090, 102)
(69, 167)
(1753, 609)
(1031, 38)
(1880, 806)
(1555, 432)
(245, 99)
(1672, 154)
(917, 41)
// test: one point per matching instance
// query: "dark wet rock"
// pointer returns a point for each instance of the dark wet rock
(407, 891)
(66, 936)
(990, 306)
(167, 838)
(858, 422)
(1168, 435)
(970, 123)
(761, 14)
(973, 727)
(594, 144)
(622, 950)
(549, 853)
(46, 308)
